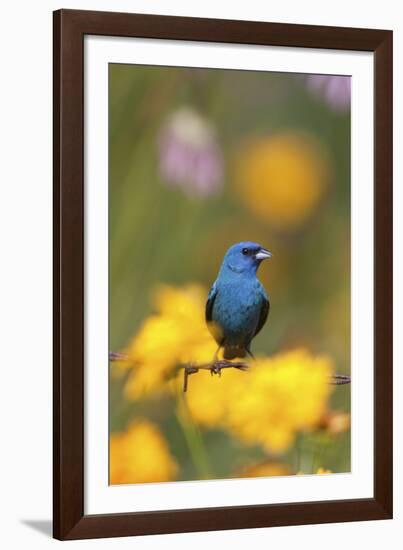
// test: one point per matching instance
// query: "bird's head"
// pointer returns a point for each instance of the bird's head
(245, 257)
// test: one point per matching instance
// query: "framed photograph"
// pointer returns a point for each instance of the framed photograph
(222, 274)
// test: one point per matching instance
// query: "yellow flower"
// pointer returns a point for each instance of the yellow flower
(208, 396)
(323, 471)
(318, 471)
(335, 422)
(140, 455)
(175, 334)
(267, 405)
(283, 177)
(265, 469)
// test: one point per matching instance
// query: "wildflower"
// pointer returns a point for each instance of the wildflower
(265, 469)
(189, 154)
(282, 178)
(208, 397)
(319, 471)
(174, 335)
(268, 405)
(140, 455)
(335, 422)
(285, 394)
(335, 90)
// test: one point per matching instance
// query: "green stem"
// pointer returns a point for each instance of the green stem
(193, 439)
(298, 452)
(317, 455)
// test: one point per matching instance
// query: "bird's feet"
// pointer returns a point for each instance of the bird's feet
(216, 367)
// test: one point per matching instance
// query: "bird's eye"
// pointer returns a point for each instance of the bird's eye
(245, 251)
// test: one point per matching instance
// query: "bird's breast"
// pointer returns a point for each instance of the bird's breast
(237, 307)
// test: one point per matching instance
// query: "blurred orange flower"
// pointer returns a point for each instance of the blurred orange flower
(283, 177)
(140, 455)
(335, 422)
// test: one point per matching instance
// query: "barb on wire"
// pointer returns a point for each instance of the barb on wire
(340, 379)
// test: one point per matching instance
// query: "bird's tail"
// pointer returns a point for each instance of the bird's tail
(232, 352)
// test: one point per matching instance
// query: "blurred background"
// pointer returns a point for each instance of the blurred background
(200, 159)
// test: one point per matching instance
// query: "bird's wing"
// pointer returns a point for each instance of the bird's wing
(264, 313)
(210, 302)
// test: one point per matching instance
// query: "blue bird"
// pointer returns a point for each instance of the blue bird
(237, 305)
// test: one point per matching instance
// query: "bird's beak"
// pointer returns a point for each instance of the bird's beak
(263, 254)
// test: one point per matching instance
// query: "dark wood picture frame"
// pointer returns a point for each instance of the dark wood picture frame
(70, 27)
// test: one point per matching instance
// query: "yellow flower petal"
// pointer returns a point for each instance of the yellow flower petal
(267, 405)
(174, 335)
(323, 471)
(140, 455)
(265, 469)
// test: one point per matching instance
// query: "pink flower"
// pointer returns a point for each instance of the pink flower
(189, 154)
(335, 90)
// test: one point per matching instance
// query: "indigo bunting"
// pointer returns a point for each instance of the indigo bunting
(237, 305)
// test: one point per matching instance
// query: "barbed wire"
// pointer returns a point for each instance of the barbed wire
(215, 368)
